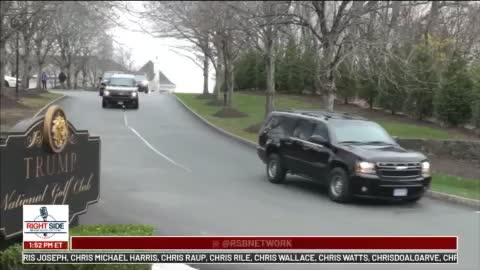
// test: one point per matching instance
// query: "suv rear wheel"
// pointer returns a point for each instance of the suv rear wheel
(339, 185)
(275, 169)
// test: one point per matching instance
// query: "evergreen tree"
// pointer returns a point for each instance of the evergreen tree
(453, 102)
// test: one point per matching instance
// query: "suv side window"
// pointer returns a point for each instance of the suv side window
(281, 126)
(322, 130)
(304, 130)
(271, 122)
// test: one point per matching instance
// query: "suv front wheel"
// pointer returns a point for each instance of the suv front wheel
(275, 169)
(339, 185)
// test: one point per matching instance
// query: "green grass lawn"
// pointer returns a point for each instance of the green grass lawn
(469, 188)
(403, 130)
(108, 229)
(27, 107)
(254, 105)
(38, 101)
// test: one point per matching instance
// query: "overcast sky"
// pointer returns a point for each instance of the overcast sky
(179, 69)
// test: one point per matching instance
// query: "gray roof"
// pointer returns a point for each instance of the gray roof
(164, 79)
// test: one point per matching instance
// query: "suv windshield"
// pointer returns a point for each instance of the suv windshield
(107, 75)
(356, 131)
(126, 82)
(140, 78)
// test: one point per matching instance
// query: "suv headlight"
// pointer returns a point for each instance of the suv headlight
(134, 94)
(365, 167)
(426, 169)
(106, 93)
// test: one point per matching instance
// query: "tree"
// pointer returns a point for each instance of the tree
(453, 101)
(76, 26)
(187, 21)
(328, 23)
(261, 23)
(15, 18)
(43, 41)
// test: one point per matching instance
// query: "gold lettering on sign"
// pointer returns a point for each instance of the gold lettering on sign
(72, 139)
(54, 164)
(14, 200)
(27, 166)
(73, 160)
(58, 193)
(35, 139)
(62, 166)
(50, 165)
(39, 171)
(82, 185)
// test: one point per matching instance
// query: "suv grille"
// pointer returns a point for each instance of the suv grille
(399, 170)
(114, 93)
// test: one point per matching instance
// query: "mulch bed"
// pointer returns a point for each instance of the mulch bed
(228, 112)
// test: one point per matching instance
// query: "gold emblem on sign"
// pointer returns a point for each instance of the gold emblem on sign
(55, 129)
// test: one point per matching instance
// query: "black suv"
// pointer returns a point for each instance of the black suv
(350, 155)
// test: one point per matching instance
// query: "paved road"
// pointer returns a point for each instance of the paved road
(160, 166)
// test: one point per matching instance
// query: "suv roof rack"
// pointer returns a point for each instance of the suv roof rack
(324, 114)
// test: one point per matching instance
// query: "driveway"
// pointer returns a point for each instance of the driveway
(162, 167)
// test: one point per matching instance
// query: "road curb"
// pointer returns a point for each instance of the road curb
(219, 130)
(454, 199)
(431, 194)
(44, 108)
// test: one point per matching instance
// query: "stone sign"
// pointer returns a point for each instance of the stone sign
(47, 162)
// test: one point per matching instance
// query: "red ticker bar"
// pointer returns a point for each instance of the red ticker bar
(45, 245)
(264, 242)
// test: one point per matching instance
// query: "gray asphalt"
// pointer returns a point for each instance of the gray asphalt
(215, 186)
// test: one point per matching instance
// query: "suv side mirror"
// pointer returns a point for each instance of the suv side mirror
(319, 140)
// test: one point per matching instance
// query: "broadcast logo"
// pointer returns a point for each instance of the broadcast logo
(45, 226)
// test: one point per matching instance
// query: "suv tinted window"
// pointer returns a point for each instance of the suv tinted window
(281, 126)
(359, 131)
(322, 130)
(120, 81)
(303, 130)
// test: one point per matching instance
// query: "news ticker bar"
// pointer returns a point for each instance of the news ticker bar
(263, 242)
(236, 258)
